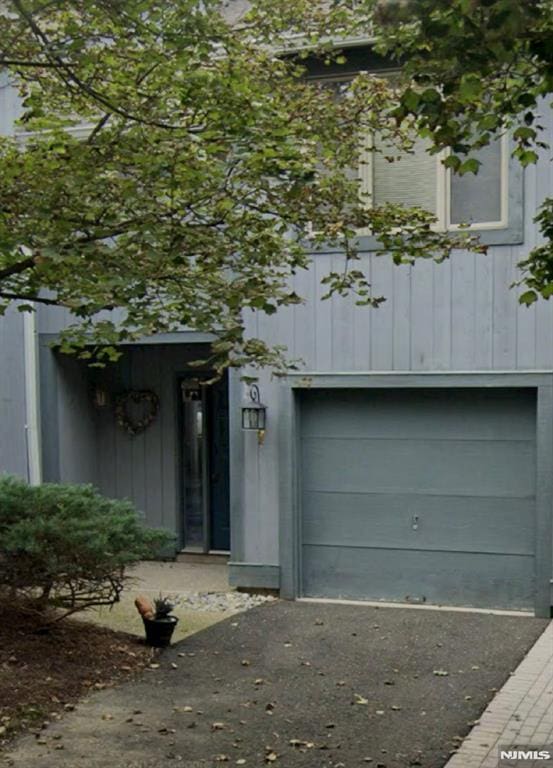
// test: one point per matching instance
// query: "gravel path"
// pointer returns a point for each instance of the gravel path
(298, 685)
(222, 601)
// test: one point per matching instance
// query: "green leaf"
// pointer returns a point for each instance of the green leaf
(411, 100)
(528, 297)
(470, 87)
(453, 162)
(469, 166)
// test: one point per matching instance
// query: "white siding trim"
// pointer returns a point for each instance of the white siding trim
(32, 407)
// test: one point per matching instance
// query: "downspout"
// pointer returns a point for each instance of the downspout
(32, 398)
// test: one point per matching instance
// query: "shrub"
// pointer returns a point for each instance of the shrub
(66, 546)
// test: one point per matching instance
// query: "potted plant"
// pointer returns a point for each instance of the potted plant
(159, 623)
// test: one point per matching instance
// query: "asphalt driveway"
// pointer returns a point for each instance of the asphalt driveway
(298, 684)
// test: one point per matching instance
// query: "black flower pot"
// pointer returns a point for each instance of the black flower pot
(160, 631)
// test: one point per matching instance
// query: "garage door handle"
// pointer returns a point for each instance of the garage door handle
(415, 523)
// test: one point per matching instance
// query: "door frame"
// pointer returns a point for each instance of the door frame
(541, 382)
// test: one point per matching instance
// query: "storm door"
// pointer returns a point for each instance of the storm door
(204, 464)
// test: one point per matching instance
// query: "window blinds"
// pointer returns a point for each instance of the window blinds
(410, 180)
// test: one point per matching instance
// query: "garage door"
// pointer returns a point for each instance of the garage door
(419, 495)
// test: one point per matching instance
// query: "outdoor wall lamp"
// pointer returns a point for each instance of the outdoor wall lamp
(254, 414)
(100, 397)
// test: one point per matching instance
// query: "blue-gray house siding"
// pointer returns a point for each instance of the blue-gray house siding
(460, 317)
(13, 437)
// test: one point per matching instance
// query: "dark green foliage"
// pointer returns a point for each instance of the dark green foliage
(163, 606)
(473, 70)
(66, 546)
(210, 171)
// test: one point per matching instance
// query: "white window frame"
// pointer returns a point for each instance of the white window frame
(366, 187)
(443, 191)
(503, 221)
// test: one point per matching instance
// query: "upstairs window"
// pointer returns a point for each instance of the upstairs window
(480, 200)
(417, 178)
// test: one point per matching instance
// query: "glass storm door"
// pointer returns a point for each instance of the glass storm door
(205, 464)
(194, 456)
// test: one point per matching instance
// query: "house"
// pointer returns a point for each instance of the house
(411, 459)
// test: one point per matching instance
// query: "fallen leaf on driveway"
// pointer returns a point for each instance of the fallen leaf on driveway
(270, 757)
(360, 699)
(440, 673)
(301, 743)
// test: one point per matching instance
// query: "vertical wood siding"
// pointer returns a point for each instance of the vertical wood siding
(91, 447)
(13, 444)
(144, 468)
(461, 315)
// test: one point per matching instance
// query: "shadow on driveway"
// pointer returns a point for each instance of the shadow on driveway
(298, 684)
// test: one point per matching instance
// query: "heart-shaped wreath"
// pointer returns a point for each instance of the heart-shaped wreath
(126, 403)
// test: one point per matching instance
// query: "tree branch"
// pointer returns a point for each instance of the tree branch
(17, 269)
(28, 63)
(72, 80)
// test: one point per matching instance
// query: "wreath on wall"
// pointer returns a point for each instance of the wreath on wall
(136, 410)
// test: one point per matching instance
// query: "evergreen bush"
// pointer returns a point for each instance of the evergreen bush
(66, 546)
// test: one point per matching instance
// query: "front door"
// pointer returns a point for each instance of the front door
(205, 464)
